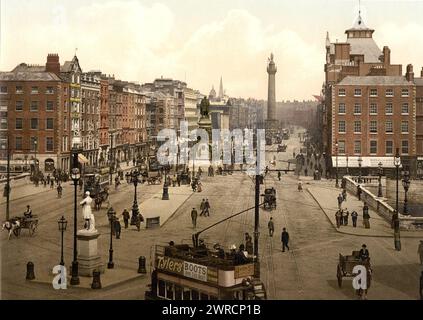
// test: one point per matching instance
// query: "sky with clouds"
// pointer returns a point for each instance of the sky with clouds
(199, 41)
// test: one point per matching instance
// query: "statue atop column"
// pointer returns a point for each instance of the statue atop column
(204, 107)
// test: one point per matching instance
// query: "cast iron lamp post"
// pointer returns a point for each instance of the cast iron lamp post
(62, 228)
(380, 172)
(406, 184)
(135, 209)
(112, 216)
(75, 175)
(395, 218)
(360, 161)
(165, 195)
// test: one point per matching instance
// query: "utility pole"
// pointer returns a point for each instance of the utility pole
(256, 226)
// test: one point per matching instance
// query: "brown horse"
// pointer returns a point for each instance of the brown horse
(101, 197)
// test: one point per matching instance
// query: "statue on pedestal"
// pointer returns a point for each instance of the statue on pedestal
(87, 214)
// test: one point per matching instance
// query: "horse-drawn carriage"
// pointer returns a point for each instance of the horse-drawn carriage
(282, 148)
(269, 198)
(15, 225)
(185, 178)
(154, 177)
(346, 266)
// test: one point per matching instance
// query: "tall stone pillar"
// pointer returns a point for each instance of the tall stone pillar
(271, 92)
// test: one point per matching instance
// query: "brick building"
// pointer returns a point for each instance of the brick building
(369, 106)
(419, 123)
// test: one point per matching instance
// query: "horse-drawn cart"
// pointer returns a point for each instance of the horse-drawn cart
(269, 198)
(346, 266)
(26, 223)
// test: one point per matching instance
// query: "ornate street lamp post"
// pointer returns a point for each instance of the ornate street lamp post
(336, 150)
(112, 216)
(395, 219)
(165, 195)
(406, 184)
(75, 175)
(380, 171)
(62, 228)
(360, 161)
(135, 209)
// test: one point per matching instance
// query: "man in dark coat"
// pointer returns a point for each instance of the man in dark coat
(117, 227)
(354, 216)
(284, 239)
(364, 253)
(271, 227)
(125, 215)
(340, 200)
(207, 208)
(194, 215)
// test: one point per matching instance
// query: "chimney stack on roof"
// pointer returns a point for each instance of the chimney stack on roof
(53, 63)
(409, 74)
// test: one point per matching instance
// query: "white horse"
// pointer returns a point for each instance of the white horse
(10, 226)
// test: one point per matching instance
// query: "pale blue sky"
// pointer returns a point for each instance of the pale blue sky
(200, 40)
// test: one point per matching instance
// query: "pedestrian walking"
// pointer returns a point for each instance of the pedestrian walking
(59, 190)
(366, 216)
(306, 172)
(178, 180)
(338, 217)
(117, 227)
(194, 215)
(354, 216)
(420, 252)
(285, 239)
(125, 215)
(340, 200)
(174, 180)
(300, 186)
(344, 195)
(138, 222)
(359, 192)
(202, 207)
(207, 208)
(52, 184)
(279, 175)
(271, 227)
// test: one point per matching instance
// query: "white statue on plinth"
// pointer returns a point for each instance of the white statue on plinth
(86, 212)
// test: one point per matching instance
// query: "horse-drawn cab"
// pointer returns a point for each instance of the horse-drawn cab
(269, 198)
(184, 178)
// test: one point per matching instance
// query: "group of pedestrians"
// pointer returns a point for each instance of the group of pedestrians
(342, 214)
(205, 211)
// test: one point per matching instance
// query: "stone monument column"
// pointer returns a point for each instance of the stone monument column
(271, 92)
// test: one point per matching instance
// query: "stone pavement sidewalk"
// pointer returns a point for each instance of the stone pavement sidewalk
(326, 197)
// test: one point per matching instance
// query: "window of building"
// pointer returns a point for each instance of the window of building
(3, 90)
(34, 123)
(49, 90)
(50, 106)
(389, 93)
(65, 106)
(389, 108)
(65, 123)
(404, 108)
(357, 92)
(388, 126)
(341, 108)
(404, 126)
(389, 147)
(19, 123)
(357, 108)
(357, 126)
(34, 143)
(195, 295)
(341, 147)
(373, 146)
(49, 144)
(65, 143)
(373, 92)
(404, 93)
(341, 92)
(3, 123)
(19, 106)
(34, 106)
(18, 143)
(19, 89)
(357, 147)
(404, 146)
(49, 123)
(373, 126)
(34, 90)
(373, 108)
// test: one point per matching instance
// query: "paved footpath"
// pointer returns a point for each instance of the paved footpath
(326, 197)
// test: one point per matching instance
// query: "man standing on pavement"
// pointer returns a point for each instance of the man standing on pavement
(202, 207)
(340, 200)
(338, 217)
(354, 216)
(271, 227)
(366, 216)
(284, 239)
(345, 215)
(207, 208)
(194, 215)
(117, 227)
(125, 215)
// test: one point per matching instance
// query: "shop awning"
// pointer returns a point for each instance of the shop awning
(82, 159)
(368, 162)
